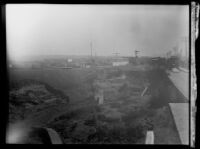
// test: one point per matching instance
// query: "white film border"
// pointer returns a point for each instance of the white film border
(193, 88)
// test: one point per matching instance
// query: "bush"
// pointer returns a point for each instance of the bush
(90, 122)
(134, 133)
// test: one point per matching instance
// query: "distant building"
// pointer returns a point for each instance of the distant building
(181, 49)
(180, 52)
(84, 65)
(69, 60)
(158, 61)
(135, 60)
(122, 63)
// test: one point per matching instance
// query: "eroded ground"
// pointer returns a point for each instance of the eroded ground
(67, 104)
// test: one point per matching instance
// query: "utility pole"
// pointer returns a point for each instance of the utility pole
(136, 53)
(116, 54)
(136, 56)
(92, 60)
(91, 48)
(93, 83)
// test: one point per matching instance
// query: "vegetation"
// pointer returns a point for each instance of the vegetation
(122, 117)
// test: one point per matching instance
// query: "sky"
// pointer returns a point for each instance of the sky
(46, 29)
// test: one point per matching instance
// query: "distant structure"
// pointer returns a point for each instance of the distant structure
(99, 97)
(136, 56)
(134, 59)
(92, 59)
(180, 51)
(136, 53)
(69, 60)
(120, 63)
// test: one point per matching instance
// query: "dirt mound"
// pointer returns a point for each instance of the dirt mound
(32, 96)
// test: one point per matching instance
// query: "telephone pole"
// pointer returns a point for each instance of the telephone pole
(136, 53)
(91, 48)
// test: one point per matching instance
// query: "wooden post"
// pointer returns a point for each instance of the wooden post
(149, 137)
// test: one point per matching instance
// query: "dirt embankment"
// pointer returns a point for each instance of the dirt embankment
(29, 97)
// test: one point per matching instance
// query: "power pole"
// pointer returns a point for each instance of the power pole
(91, 48)
(116, 54)
(92, 59)
(136, 56)
(136, 53)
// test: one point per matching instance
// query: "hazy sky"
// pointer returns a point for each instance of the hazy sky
(69, 29)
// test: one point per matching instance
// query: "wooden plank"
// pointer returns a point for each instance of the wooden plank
(149, 137)
(55, 138)
(144, 91)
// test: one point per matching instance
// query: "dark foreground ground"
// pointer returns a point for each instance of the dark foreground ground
(64, 100)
